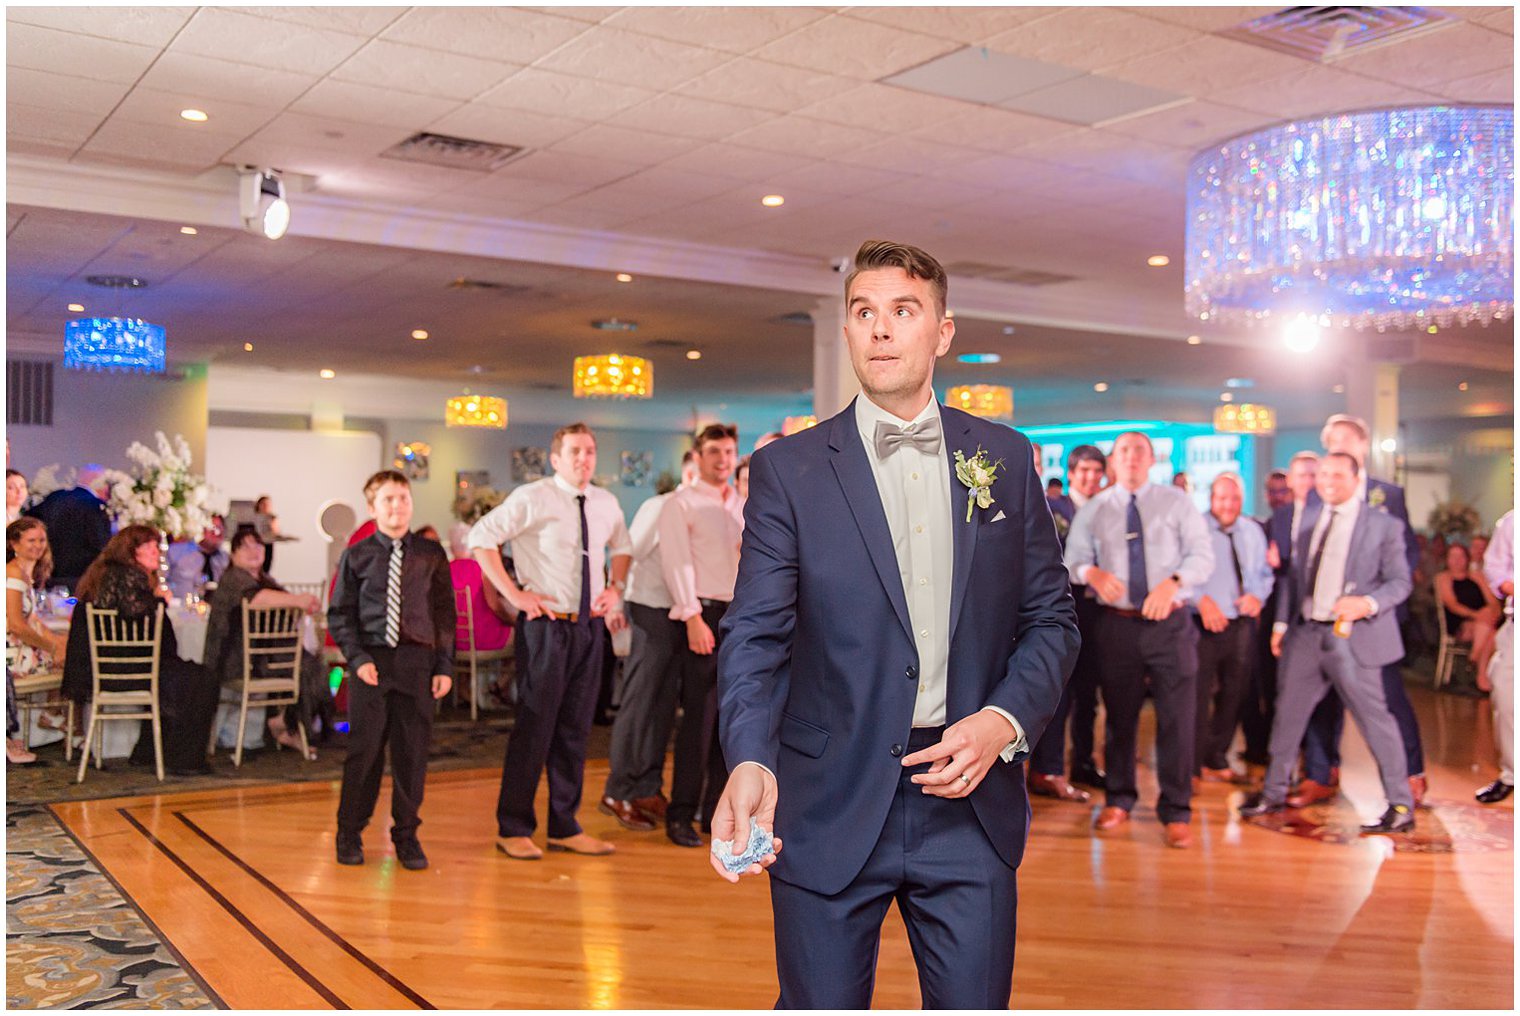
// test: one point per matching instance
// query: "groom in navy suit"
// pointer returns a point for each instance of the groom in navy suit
(900, 634)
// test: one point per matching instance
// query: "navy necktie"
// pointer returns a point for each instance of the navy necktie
(1240, 576)
(585, 604)
(1134, 537)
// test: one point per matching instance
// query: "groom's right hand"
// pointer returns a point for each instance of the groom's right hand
(750, 793)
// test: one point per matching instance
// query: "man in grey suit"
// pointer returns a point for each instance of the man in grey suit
(1336, 629)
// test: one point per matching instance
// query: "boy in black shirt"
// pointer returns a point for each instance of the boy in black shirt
(392, 614)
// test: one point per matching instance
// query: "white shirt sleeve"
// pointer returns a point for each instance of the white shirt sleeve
(676, 561)
(620, 543)
(504, 523)
(1019, 743)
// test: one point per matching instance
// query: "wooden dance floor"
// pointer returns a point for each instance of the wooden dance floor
(243, 885)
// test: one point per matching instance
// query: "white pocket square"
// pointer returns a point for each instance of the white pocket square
(999, 516)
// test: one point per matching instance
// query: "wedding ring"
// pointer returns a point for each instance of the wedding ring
(965, 779)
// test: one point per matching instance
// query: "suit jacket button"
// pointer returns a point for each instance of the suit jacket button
(912, 673)
(896, 750)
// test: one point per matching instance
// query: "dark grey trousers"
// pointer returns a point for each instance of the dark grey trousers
(651, 682)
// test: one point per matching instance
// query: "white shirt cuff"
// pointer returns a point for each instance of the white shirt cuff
(1082, 573)
(1018, 744)
(750, 762)
(1279, 627)
(1373, 603)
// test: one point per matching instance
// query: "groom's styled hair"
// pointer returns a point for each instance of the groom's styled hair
(875, 255)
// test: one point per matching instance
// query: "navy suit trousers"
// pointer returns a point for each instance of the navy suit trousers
(956, 895)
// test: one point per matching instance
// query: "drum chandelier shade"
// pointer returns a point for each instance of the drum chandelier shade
(613, 375)
(993, 402)
(475, 411)
(1395, 218)
(1245, 418)
(795, 424)
(114, 344)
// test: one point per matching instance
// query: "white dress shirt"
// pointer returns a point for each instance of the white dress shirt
(187, 566)
(915, 494)
(542, 522)
(1330, 583)
(1499, 558)
(701, 527)
(646, 578)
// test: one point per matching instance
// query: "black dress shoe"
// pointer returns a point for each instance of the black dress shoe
(1494, 792)
(1088, 775)
(350, 849)
(1397, 819)
(682, 834)
(409, 853)
(1257, 804)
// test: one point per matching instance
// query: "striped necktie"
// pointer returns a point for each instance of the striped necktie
(393, 596)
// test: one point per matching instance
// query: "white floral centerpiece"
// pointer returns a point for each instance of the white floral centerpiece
(161, 491)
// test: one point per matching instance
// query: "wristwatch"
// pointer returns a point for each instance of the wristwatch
(619, 584)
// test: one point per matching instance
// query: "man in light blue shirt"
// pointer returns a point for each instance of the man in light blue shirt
(1142, 549)
(1229, 602)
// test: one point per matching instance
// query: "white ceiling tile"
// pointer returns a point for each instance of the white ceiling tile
(1426, 60)
(146, 26)
(853, 48)
(1311, 89)
(1112, 154)
(737, 162)
(20, 143)
(1091, 37)
(620, 205)
(689, 117)
(264, 42)
(1204, 19)
(990, 129)
(354, 20)
(55, 126)
(345, 136)
(387, 179)
(764, 85)
(465, 202)
(797, 136)
(148, 106)
(1210, 65)
(295, 157)
(425, 71)
(45, 49)
(610, 55)
(1495, 86)
(567, 168)
(908, 155)
(504, 126)
(642, 147)
(553, 94)
(573, 217)
(962, 24)
(159, 147)
(885, 108)
(42, 89)
(347, 100)
(834, 178)
(503, 34)
(533, 193)
(1500, 19)
(1195, 125)
(665, 182)
(926, 192)
(732, 29)
(222, 79)
(1007, 172)
(590, 15)
(1093, 99)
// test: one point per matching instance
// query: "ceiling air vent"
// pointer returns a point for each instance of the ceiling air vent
(1325, 33)
(1004, 273)
(28, 393)
(502, 288)
(796, 317)
(453, 153)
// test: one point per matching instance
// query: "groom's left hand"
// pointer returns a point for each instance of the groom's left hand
(969, 748)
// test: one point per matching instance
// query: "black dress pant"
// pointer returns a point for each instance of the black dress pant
(1256, 712)
(399, 712)
(651, 682)
(1131, 648)
(556, 699)
(1224, 671)
(1083, 686)
(699, 774)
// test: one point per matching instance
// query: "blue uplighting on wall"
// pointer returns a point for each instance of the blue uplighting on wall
(125, 344)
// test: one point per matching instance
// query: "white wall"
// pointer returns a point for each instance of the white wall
(301, 471)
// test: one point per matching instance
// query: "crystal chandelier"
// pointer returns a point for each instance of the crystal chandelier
(994, 402)
(614, 375)
(1245, 418)
(114, 344)
(794, 424)
(1396, 218)
(475, 411)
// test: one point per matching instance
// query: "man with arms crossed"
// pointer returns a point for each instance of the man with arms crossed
(895, 644)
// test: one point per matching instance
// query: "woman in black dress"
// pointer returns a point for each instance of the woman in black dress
(124, 578)
(1470, 609)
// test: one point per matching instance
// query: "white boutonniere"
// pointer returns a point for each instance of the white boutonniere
(978, 475)
(1376, 498)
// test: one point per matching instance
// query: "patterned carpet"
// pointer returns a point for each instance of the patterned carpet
(71, 940)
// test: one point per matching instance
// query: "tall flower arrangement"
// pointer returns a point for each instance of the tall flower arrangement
(160, 491)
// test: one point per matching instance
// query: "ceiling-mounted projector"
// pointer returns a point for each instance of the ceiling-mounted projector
(261, 201)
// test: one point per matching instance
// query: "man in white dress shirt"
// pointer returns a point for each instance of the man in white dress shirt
(700, 529)
(559, 528)
(1499, 569)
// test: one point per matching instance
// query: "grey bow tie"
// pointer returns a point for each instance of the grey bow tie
(925, 436)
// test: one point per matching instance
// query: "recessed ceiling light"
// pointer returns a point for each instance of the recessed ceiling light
(1008, 329)
(1101, 386)
(1339, 389)
(419, 333)
(189, 230)
(247, 347)
(693, 354)
(980, 358)
(77, 308)
(1195, 340)
(1158, 260)
(1388, 444)
(326, 374)
(624, 277)
(1226, 397)
(194, 115)
(773, 201)
(1462, 387)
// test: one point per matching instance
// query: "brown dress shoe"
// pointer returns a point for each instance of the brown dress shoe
(519, 848)
(628, 815)
(583, 844)
(653, 807)
(1418, 785)
(1310, 792)
(1179, 835)
(1220, 775)
(1057, 787)
(1111, 817)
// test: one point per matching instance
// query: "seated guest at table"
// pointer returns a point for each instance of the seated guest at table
(193, 566)
(1469, 609)
(124, 578)
(37, 650)
(77, 524)
(247, 580)
(15, 494)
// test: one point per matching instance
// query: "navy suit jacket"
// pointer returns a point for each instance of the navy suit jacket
(818, 669)
(1063, 506)
(1375, 567)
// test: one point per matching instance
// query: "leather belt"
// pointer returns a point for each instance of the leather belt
(1125, 612)
(714, 603)
(572, 616)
